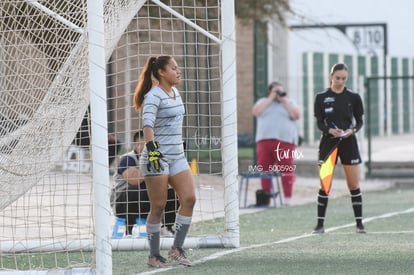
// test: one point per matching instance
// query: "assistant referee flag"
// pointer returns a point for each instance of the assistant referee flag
(326, 171)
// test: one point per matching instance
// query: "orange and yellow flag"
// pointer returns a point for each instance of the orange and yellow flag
(326, 171)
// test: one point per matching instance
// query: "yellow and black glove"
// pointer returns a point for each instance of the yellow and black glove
(154, 156)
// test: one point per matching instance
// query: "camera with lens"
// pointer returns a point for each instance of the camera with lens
(280, 93)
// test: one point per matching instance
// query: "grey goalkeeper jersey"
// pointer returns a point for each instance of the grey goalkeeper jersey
(165, 115)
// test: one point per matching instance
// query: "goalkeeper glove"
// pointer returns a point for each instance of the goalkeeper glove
(154, 156)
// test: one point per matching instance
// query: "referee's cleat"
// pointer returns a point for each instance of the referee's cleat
(360, 229)
(318, 230)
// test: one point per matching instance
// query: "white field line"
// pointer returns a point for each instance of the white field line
(291, 239)
(380, 232)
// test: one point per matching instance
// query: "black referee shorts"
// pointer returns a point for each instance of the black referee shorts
(348, 151)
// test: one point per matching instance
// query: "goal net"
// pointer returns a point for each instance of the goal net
(47, 193)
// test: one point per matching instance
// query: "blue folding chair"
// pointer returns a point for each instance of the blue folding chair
(275, 184)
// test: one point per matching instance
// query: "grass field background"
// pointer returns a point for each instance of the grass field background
(278, 241)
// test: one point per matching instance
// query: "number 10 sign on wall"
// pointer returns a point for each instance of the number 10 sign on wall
(367, 39)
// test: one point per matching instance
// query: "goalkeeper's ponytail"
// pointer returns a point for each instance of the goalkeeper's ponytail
(145, 80)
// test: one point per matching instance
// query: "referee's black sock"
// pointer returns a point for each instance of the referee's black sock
(322, 205)
(356, 198)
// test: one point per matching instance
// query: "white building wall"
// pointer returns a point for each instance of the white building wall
(396, 14)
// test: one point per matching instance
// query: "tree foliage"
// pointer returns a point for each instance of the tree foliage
(262, 10)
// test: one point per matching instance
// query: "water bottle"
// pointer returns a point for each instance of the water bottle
(139, 229)
(135, 231)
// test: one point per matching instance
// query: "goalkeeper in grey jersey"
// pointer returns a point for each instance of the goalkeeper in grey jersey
(163, 160)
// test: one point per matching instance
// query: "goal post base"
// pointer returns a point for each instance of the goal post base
(166, 243)
(124, 244)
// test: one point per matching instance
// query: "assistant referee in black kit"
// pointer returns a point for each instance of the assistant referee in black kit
(339, 113)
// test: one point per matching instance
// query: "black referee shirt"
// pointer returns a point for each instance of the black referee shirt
(344, 110)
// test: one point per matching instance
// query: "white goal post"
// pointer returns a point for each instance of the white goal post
(64, 62)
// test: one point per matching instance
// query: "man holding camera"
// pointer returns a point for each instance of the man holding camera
(277, 136)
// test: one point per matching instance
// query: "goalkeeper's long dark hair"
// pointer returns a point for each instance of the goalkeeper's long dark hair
(145, 80)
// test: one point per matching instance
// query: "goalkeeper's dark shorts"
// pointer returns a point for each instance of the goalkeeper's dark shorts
(348, 151)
